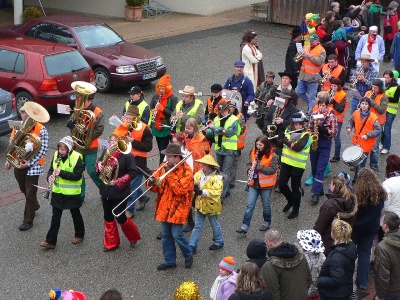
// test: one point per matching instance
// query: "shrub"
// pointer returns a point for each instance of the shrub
(31, 13)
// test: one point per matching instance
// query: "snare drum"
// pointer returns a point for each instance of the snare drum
(353, 156)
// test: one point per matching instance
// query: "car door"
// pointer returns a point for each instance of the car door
(12, 68)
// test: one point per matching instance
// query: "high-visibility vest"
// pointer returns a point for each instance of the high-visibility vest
(138, 135)
(392, 108)
(335, 72)
(265, 181)
(307, 65)
(192, 112)
(293, 158)
(64, 186)
(377, 100)
(339, 97)
(229, 143)
(242, 137)
(36, 130)
(369, 143)
(142, 106)
(95, 142)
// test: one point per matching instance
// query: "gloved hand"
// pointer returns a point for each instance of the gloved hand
(323, 130)
(197, 191)
(70, 124)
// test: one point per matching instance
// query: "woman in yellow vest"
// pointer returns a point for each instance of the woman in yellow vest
(136, 98)
(296, 147)
(393, 93)
(65, 178)
(262, 177)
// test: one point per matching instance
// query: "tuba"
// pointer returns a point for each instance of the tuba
(25, 145)
(84, 120)
(110, 163)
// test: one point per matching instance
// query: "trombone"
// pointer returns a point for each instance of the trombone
(152, 177)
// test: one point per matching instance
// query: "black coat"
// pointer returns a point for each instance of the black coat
(286, 115)
(261, 295)
(61, 201)
(127, 171)
(290, 65)
(335, 280)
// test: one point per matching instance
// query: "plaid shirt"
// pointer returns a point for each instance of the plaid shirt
(34, 168)
(329, 121)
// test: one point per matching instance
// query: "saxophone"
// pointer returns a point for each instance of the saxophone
(110, 163)
(84, 120)
(252, 170)
(18, 149)
(272, 128)
(133, 124)
(314, 136)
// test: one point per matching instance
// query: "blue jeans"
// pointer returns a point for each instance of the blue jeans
(319, 159)
(135, 182)
(364, 246)
(338, 142)
(251, 203)
(226, 163)
(374, 158)
(387, 131)
(307, 91)
(172, 233)
(360, 166)
(199, 219)
(354, 104)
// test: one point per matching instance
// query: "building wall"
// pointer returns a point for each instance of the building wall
(115, 8)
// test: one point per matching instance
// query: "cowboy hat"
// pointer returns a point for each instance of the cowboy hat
(310, 241)
(188, 90)
(172, 149)
(366, 57)
(36, 111)
(222, 106)
(208, 160)
(286, 73)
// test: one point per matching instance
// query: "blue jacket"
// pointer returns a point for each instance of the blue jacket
(246, 89)
(395, 50)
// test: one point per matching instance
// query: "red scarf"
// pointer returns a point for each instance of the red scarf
(160, 115)
(370, 42)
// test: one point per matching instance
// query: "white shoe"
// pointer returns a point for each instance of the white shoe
(380, 146)
(384, 151)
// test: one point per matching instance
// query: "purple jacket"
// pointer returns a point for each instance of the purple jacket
(227, 287)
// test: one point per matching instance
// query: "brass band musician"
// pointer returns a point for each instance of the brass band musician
(332, 69)
(27, 171)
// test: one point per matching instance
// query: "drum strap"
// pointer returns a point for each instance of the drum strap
(363, 125)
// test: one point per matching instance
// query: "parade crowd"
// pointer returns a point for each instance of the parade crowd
(200, 145)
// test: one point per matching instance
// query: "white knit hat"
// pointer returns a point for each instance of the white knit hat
(67, 140)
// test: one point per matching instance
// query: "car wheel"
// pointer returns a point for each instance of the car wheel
(21, 98)
(102, 79)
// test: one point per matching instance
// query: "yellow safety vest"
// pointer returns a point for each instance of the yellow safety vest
(192, 112)
(293, 158)
(64, 186)
(229, 143)
(392, 107)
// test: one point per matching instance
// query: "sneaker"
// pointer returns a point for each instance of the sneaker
(264, 227)
(164, 267)
(314, 199)
(215, 247)
(189, 262)
(310, 180)
(335, 159)
(384, 151)
(380, 146)
(77, 240)
(47, 245)
(25, 226)
(142, 204)
(241, 231)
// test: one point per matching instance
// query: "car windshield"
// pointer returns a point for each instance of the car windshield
(63, 63)
(97, 36)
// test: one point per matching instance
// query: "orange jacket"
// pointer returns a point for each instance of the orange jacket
(369, 143)
(339, 97)
(307, 65)
(377, 100)
(265, 181)
(95, 142)
(334, 73)
(174, 198)
(199, 146)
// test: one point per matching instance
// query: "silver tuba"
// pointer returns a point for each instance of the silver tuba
(84, 120)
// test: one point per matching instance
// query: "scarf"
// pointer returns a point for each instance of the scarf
(214, 288)
(370, 42)
(339, 34)
(160, 114)
(363, 115)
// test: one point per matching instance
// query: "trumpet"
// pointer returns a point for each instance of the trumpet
(48, 191)
(153, 178)
(360, 73)
(325, 77)
(299, 56)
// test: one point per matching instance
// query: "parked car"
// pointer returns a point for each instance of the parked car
(115, 62)
(41, 71)
(8, 111)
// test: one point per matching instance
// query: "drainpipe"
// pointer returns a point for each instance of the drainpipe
(18, 8)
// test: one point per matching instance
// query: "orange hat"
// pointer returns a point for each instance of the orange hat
(165, 82)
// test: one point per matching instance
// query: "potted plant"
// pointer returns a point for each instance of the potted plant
(134, 10)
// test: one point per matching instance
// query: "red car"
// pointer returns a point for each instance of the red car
(41, 71)
(114, 61)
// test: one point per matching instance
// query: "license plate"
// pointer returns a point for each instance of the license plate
(72, 97)
(150, 75)
(2, 108)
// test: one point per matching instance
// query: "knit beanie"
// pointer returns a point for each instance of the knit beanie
(165, 82)
(379, 84)
(227, 264)
(67, 141)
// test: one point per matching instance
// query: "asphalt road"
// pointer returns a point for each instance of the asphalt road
(28, 271)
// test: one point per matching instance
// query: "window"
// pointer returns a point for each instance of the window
(11, 61)
(63, 35)
(42, 31)
(63, 63)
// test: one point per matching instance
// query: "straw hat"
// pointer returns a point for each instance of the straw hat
(366, 57)
(36, 111)
(188, 90)
(208, 160)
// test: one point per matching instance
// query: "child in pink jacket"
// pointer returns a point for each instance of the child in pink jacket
(225, 284)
